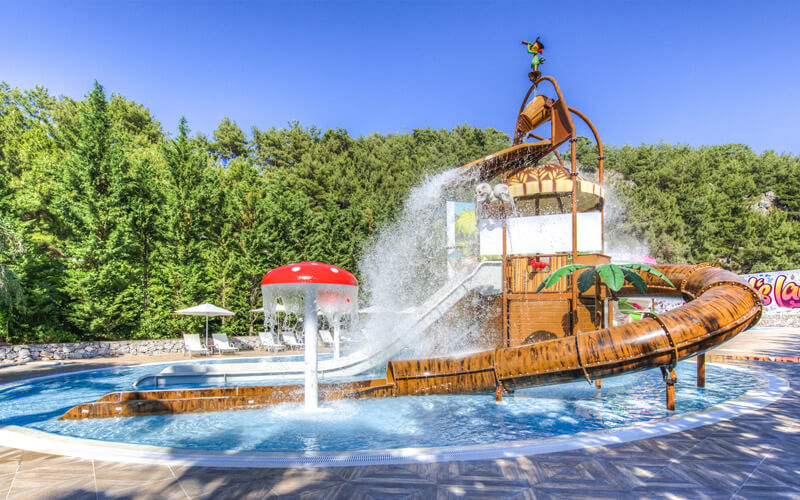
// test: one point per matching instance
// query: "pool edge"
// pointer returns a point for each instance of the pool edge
(44, 442)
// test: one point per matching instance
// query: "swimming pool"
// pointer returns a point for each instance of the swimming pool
(386, 424)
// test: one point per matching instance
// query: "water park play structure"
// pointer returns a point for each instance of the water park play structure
(541, 216)
(484, 280)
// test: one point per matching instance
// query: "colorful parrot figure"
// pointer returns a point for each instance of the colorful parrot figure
(536, 49)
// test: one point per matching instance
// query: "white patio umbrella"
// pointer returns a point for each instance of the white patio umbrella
(206, 310)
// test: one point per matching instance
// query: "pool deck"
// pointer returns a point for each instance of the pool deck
(756, 455)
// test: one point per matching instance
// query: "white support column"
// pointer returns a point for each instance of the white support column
(310, 329)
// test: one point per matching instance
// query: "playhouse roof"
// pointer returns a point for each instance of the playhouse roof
(553, 183)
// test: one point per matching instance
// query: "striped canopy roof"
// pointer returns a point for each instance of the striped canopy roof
(546, 189)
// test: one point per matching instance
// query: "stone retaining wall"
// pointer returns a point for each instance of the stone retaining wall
(780, 318)
(86, 350)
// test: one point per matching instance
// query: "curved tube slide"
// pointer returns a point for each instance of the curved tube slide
(720, 305)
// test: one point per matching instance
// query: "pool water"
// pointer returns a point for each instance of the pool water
(422, 421)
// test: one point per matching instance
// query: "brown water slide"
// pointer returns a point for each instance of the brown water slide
(719, 306)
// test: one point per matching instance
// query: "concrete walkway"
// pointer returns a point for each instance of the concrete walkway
(775, 342)
(753, 456)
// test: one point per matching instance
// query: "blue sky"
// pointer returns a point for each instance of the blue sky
(687, 72)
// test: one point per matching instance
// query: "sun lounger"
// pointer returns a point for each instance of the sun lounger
(290, 340)
(222, 344)
(267, 341)
(326, 336)
(192, 345)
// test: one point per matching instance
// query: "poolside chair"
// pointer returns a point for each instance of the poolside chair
(222, 344)
(191, 344)
(326, 336)
(267, 341)
(290, 340)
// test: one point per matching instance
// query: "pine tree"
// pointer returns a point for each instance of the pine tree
(93, 204)
(229, 141)
(191, 207)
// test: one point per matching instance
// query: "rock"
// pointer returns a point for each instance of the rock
(765, 204)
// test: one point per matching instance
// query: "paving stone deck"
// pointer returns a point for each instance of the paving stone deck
(782, 342)
(753, 456)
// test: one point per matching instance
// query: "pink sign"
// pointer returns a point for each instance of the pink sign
(778, 289)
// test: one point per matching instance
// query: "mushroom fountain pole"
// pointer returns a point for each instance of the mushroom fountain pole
(330, 287)
(310, 330)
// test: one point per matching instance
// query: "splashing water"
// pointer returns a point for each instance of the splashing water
(406, 259)
(406, 263)
(621, 245)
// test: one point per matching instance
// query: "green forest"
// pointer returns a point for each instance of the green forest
(109, 222)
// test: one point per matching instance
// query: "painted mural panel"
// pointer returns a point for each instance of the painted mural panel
(779, 290)
(462, 237)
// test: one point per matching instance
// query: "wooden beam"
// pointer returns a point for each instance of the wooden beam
(701, 370)
(668, 373)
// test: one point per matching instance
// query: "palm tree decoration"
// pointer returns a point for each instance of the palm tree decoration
(611, 275)
(625, 306)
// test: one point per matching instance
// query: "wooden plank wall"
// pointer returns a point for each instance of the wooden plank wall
(524, 280)
(586, 316)
(534, 320)
(535, 317)
(532, 317)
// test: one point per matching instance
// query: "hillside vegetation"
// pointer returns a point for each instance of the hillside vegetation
(108, 223)
(722, 204)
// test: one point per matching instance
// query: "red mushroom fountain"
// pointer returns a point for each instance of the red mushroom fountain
(335, 289)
